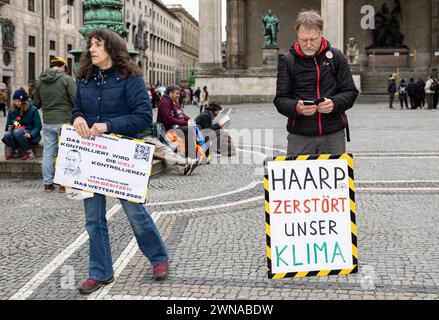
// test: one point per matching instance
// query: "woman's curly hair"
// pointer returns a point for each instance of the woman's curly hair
(116, 47)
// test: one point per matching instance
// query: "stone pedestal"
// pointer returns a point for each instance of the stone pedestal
(388, 58)
(270, 57)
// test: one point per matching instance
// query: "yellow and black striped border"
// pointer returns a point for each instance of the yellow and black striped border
(321, 273)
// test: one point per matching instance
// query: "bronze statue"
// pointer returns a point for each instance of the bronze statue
(8, 33)
(387, 32)
(271, 29)
(139, 42)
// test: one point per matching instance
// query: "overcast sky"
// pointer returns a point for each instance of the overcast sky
(192, 7)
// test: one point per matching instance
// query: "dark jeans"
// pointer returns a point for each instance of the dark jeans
(412, 101)
(147, 235)
(16, 140)
(430, 99)
(402, 100)
(391, 99)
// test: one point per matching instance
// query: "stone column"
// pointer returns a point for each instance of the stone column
(332, 13)
(236, 34)
(434, 32)
(210, 35)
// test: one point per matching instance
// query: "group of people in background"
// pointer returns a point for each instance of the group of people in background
(198, 97)
(414, 95)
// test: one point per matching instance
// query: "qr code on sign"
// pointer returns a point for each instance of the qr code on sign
(142, 152)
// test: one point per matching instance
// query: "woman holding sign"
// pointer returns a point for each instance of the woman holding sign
(112, 98)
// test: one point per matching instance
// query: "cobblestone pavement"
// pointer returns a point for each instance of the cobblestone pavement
(213, 223)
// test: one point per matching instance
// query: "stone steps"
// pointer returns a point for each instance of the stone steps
(375, 82)
(31, 169)
(366, 98)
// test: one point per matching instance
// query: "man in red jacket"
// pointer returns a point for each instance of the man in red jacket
(169, 112)
(314, 90)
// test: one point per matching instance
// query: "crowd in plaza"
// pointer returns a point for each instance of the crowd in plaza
(110, 96)
(424, 93)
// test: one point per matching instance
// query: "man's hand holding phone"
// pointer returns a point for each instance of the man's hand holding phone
(326, 106)
(306, 108)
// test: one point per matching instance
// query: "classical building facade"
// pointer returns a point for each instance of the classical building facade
(247, 77)
(155, 33)
(189, 43)
(33, 32)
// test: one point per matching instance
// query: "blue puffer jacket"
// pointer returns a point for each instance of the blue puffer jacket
(123, 104)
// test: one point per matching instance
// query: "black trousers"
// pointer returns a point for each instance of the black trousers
(412, 101)
(3, 108)
(391, 99)
(403, 99)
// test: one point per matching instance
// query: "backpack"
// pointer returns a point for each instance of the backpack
(402, 90)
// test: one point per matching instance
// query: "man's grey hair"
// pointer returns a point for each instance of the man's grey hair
(172, 88)
(310, 20)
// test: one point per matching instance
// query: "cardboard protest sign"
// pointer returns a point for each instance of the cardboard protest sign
(310, 216)
(110, 165)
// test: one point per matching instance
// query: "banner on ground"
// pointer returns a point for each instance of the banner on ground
(310, 216)
(110, 165)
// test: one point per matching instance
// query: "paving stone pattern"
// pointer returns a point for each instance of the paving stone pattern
(219, 252)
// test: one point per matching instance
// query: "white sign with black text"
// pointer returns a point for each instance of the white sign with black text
(109, 165)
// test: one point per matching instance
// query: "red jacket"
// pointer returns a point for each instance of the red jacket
(169, 116)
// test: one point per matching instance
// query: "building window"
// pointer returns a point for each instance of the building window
(6, 58)
(70, 65)
(31, 41)
(70, 10)
(52, 45)
(31, 67)
(134, 34)
(129, 30)
(52, 9)
(31, 5)
(69, 47)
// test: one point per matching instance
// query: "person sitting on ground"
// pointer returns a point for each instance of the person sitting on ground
(168, 113)
(205, 119)
(205, 122)
(23, 127)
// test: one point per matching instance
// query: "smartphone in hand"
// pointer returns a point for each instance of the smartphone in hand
(313, 103)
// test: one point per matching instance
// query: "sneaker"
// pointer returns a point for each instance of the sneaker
(28, 155)
(61, 189)
(161, 270)
(191, 167)
(49, 188)
(11, 155)
(91, 285)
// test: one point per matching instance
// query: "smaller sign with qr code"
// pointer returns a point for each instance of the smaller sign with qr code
(143, 152)
(109, 165)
